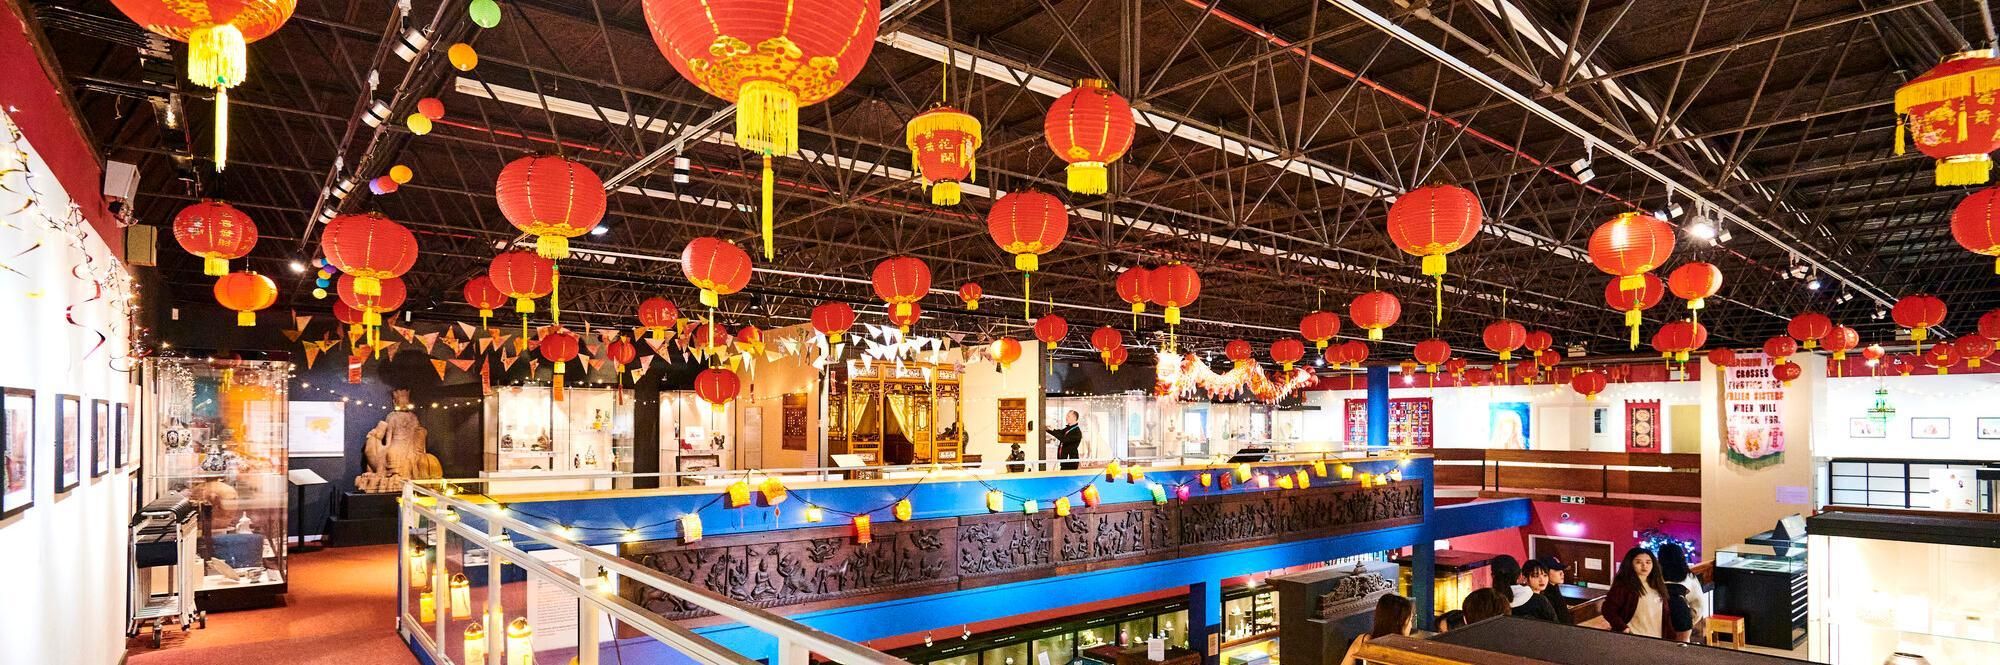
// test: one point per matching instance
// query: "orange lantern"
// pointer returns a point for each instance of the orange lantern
(1105, 339)
(1809, 328)
(246, 292)
(1132, 285)
(1027, 224)
(1503, 336)
(1319, 326)
(902, 281)
(1005, 351)
(216, 232)
(1949, 112)
(716, 266)
(717, 386)
(482, 295)
(1695, 282)
(218, 33)
(1918, 313)
(1779, 348)
(1588, 383)
(658, 315)
(768, 57)
(1634, 301)
(1431, 222)
(971, 293)
(369, 247)
(833, 319)
(906, 315)
(1173, 286)
(1631, 245)
(943, 142)
(1089, 127)
(1374, 311)
(1432, 352)
(1287, 352)
(551, 198)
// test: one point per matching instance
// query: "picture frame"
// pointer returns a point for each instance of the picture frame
(100, 438)
(1986, 428)
(69, 442)
(121, 431)
(1866, 428)
(17, 451)
(1930, 428)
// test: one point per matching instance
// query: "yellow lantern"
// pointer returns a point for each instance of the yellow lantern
(520, 643)
(475, 643)
(427, 607)
(420, 568)
(461, 597)
(418, 123)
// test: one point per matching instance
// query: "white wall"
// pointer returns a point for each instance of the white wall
(983, 388)
(62, 561)
(1560, 418)
(1964, 398)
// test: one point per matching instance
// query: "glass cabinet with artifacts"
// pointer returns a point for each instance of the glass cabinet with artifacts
(528, 430)
(890, 413)
(694, 435)
(218, 437)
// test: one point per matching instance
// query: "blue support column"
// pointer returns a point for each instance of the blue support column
(1205, 621)
(1423, 585)
(1378, 406)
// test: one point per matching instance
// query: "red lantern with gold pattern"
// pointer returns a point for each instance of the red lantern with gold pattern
(1432, 352)
(1631, 245)
(392, 294)
(1005, 350)
(1779, 348)
(1588, 383)
(902, 281)
(1949, 112)
(1721, 356)
(906, 315)
(523, 277)
(1918, 313)
(658, 315)
(1787, 372)
(218, 33)
(551, 198)
(216, 232)
(1287, 352)
(1354, 352)
(1941, 356)
(1809, 328)
(246, 292)
(1117, 356)
(1051, 329)
(1840, 341)
(1989, 325)
(944, 142)
(833, 319)
(717, 386)
(970, 292)
(1973, 349)
(1089, 126)
(1173, 286)
(1374, 311)
(1975, 224)
(1132, 287)
(1695, 282)
(716, 266)
(1318, 327)
(1239, 352)
(1503, 336)
(482, 295)
(1106, 338)
(1433, 221)
(1634, 301)
(1027, 224)
(370, 247)
(768, 57)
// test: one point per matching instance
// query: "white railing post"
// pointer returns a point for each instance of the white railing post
(587, 614)
(496, 614)
(440, 584)
(793, 653)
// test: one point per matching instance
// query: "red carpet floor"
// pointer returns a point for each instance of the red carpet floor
(341, 610)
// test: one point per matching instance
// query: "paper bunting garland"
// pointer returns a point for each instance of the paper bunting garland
(463, 364)
(409, 334)
(312, 354)
(438, 365)
(300, 322)
(429, 340)
(507, 362)
(293, 335)
(467, 327)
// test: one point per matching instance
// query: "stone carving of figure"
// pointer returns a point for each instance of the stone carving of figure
(397, 451)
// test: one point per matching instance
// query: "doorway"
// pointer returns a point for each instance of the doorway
(1585, 562)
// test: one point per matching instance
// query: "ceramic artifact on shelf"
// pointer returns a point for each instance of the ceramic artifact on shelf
(397, 451)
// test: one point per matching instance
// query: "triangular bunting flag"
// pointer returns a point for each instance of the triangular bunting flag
(409, 334)
(594, 363)
(293, 335)
(657, 345)
(457, 347)
(507, 362)
(301, 322)
(438, 365)
(312, 354)
(391, 348)
(485, 344)
(534, 365)
(467, 327)
(429, 340)
(646, 363)
(463, 364)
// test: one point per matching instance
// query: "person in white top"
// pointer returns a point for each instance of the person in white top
(1674, 569)
(1637, 602)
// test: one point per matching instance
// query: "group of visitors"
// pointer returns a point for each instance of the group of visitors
(1652, 594)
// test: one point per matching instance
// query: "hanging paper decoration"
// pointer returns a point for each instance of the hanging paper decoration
(1989, 325)
(864, 532)
(1973, 349)
(1159, 493)
(1027, 224)
(482, 295)
(658, 315)
(833, 319)
(1551, 357)
(559, 346)
(768, 57)
(1062, 507)
(1433, 221)
(1840, 341)
(1133, 285)
(1539, 341)
(245, 292)
(1779, 348)
(750, 340)
(1375, 311)
(373, 308)
(1104, 339)
(1051, 329)
(1089, 492)
(902, 281)
(709, 340)
(551, 198)
(995, 501)
(943, 143)
(1173, 286)
(1116, 357)
(1354, 352)
(1918, 313)
(1030, 507)
(216, 232)
(1588, 383)
(736, 495)
(1318, 327)
(1432, 352)
(906, 318)
(370, 248)
(1631, 245)
(1677, 339)
(1005, 351)
(716, 266)
(401, 174)
(717, 386)
(1503, 336)
(1695, 282)
(1089, 127)
(1286, 352)
(218, 33)
(1941, 356)
(1634, 301)
(463, 57)
(903, 511)
(970, 292)
(1809, 328)
(1787, 372)
(1239, 352)
(621, 352)
(524, 277)
(690, 527)
(1949, 113)
(484, 13)
(814, 515)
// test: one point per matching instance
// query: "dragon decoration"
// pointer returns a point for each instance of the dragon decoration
(1186, 376)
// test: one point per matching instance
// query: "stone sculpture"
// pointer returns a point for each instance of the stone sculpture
(397, 451)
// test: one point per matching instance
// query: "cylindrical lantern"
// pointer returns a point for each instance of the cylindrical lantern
(970, 292)
(461, 596)
(1286, 352)
(246, 292)
(716, 266)
(1089, 127)
(520, 643)
(216, 232)
(1809, 328)
(1695, 282)
(833, 319)
(551, 198)
(475, 643)
(1949, 112)
(901, 281)
(658, 315)
(1630, 245)
(369, 247)
(943, 143)
(1503, 336)
(1375, 311)
(1433, 221)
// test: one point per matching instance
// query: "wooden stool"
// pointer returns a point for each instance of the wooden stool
(1723, 623)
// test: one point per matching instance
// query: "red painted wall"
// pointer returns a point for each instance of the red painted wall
(40, 105)
(1616, 524)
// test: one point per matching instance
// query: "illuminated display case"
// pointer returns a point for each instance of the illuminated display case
(694, 435)
(529, 431)
(219, 438)
(1459, 572)
(889, 413)
(1891, 591)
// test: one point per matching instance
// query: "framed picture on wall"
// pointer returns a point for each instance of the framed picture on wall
(121, 431)
(1866, 428)
(1987, 428)
(69, 442)
(1930, 428)
(17, 451)
(100, 437)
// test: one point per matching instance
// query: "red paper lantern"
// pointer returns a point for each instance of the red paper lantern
(1433, 221)
(1539, 341)
(551, 198)
(970, 293)
(246, 293)
(1779, 348)
(1117, 356)
(1679, 338)
(1973, 349)
(216, 232)
(217, 33)
(1318, 327)
(1239, 351)
(1374, 311)
(716, 266)
(1503, 336)
(708, 340)
(750, 339)
(906, 316)
(1287, 352)
(482, 295)
(944, 142)
(1975, 224)
(1631, 245)
(1132, 285)
(1089, 127)
(1918, 313)
(1941, 356)
(658, 315)
(1027, 224)
(1051, 329)
(1432, 352)
(1634, 301)
(768, 57)
(621, 351)
(1695, 282)
(1353, 352)
(833, 319)
(1840, 341)
(431, 107)
(1902, 363)
(523, 277)
(370, 247)
(392, 295)
(1873, 352)
(1809, 328)
(902, 281)
(1721, 357)
(717, 386)
(1950, 113)
(1589, 383)
(1549, 358)
(1106, 338)
(1005, 351)
(1173, 286)
(1989, 325)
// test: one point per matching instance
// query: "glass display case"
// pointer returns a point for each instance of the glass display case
(694, 435)
(1766, 585)
(219, 438)
(529, 432)
(1872, 598)
(1079, 639)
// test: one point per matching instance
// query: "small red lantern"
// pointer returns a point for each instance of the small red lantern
(1105, 339)
(372, 307)
(1634, 301)
(1318, 327)
(1116, 357)
(971, 293)
(1374, 311)
(1549, 358)
(1433, 221)
(1173, 286)
(1949, 112)
(523, 277)
(709, 339)
(482, 295)
(1287, 352)
(1432, 352)
(1027, 224)
(1089, 127)
(833, 319)
(1539, 341)
(943, 145)
(902, 281)
(1873, 352)
(1941, 356)
(1631, 245)
(1503, 336)
(1973, 349)
(1132, 286)
(906, 316)
(1588, 383)
(216, 232)
(1902, 363)
(559, 347)
(716, 266)
(1779, 348)
(1721, 356)
(1787, 372)
(1975, 224)
(621, 351)
(1989, 325)
(1809, 328)
(1918, 313)
(1679, 338)
(1005, 351)
(1840, 341)
(1354, 352)
(1239, 352)
(658, 315)
(551, 198)
(717, 386)
(370, 247)
(1695, 282)
(1051, 329)
(246, 292)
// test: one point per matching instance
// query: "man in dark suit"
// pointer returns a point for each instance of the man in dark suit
(1069, 441)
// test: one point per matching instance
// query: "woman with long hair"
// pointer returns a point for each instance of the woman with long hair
(1483, 604)
(1637, 602)
(1394, 615)
(1684, 591)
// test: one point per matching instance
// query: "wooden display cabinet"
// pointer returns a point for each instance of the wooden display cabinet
(895, 414)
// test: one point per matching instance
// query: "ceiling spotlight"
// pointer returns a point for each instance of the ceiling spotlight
(412, 42)
(600, 230)
(681, 170)
(1722, 236)
(296, 266)
(1701, 229)
(1674, 210)
(1585, 176)
(1814, 284)
(1580, 165)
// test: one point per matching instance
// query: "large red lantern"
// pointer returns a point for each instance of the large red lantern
(970, 292)
(1354, 352)
(943, 143)
(1973, 349)
(218, 33)
(551, 198)
(1051, 329)
(1027, 224)
(1779, 348)
(1117, 356)
(1319, 326)
(1005, 350)
(658, 315)
(1239, 352)
(1089, 127)
(1695, 282)
(482, 295)
(1374, 311)
(523, 277)
(768, 57)
(1287, 352)
(1432, 352)
(902, 281)
(216, 232)
(717, 386)
(1132, 287)
(1840, 341)
(833, 319)
(906, 315)
(1588, 383)
(370, 247)
(1809, 328)
(1433, 221)
(1950, 114)
(1630, 245)
(1634, 301)
(716, 266)
(1106, 338)
(1503, 336)
(246, 293)
(1989, 325)
(1975, 224)
(1173, 286)
(1918, 313)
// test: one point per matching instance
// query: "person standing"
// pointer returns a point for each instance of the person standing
(1069, 441)
(1637, 602)
(1556, 572)
(1674, 570)
(1394, 615)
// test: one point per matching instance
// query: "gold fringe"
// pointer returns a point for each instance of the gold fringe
(367, 286)
(1965, 170)
(1902, 134)
(217, 57)
(524, 305)
(246, 319)
(1631, 282)
(1374, 334)
(945, 119)
(1173, 316)
(1027, 261)
(1088, 178)
(710, 298)
(552, 247)
(214, 266)
(767, 118)
(1956, 86)
(221, 129)
(945, 193)
(1434, 265)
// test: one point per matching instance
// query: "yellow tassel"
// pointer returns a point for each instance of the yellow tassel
(1506, 354)
(1812, 344)
(367, 286)
(1027, 261)
(1902, 132)
(1964, 170)
(555, 302)
(1697, 303)
(1088, 178)
(710, 298)
(1173, 316)
(214, 266)
(767, 118)
(1962, 133)
(1375, 334)
(217, 57)
(1027, 300)
(765, 215)
(902, 309)
(246, 319)
(945, 193)
(1434, 265)
(524, 305)
(1631, 282)
(1437, 311)
(972, 305)
(221, 129)
(1321, 345)
(552, 247)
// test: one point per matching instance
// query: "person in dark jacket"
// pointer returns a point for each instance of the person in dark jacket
(1069, 441)
(1556, 573)
(1524, 602)
(1637, 602)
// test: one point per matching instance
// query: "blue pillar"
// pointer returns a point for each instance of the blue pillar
(1378, 406)
(1423, 585)
(1205, 620)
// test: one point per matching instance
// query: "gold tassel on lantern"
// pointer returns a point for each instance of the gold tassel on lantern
(552, 247)
(767, 122)
(214, 266)
(246, 319)
(1632, 320)
(1902, 130)
(1964, 170)
(217, 58)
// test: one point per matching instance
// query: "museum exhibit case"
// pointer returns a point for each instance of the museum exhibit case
(696, 436)
(530, 433)
(218, 437)
(1922, 583)
(902, 413)
(1765, 583)
(1459, 572)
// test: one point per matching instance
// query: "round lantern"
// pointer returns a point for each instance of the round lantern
(1027, 224)
(1433, 221)
(1941, 356)
(1695, 282)
(1374, 311)
(391, 294)
(1051, 329)
(1918, 313)
(1539, 341)
(1239, 352)
(1975, 224)
(1089, 127)
(1721, 356)
(1117, 356)
(658, 315)
(1634, 301)
(943, 142)
(1005, 351)
(1679, 338)
(1809, 328)
(1432, 352)
(523, 277)
(551, 198)
(216, 232)
(906, 315)
(1588, 383)
(1779, 348)
(1132, 286)
(1318, 327)
(716, 266)
(1787, 372)
(1549, 358)
(1631, 245)
(1989, 325)
(1286, 352)
(833, 319)
(768, 57)
(482, 295)
(559, 347)
(1354, 352)
(350, 317)
(1503, 336)
(717, 386)
(462, 56)
(217, 33)
(970, 293)
(750, 339)
(431, 107)
(1949, 113)
(1973, 349)
(621, 351)
(1902, 363)
(902, 281)
(1840, 341)
(246, 293)
(1873, 353)
(370, 247)
(1173, 286)
(1104, 339)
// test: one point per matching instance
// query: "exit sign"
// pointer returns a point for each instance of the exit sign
(1568, 498)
